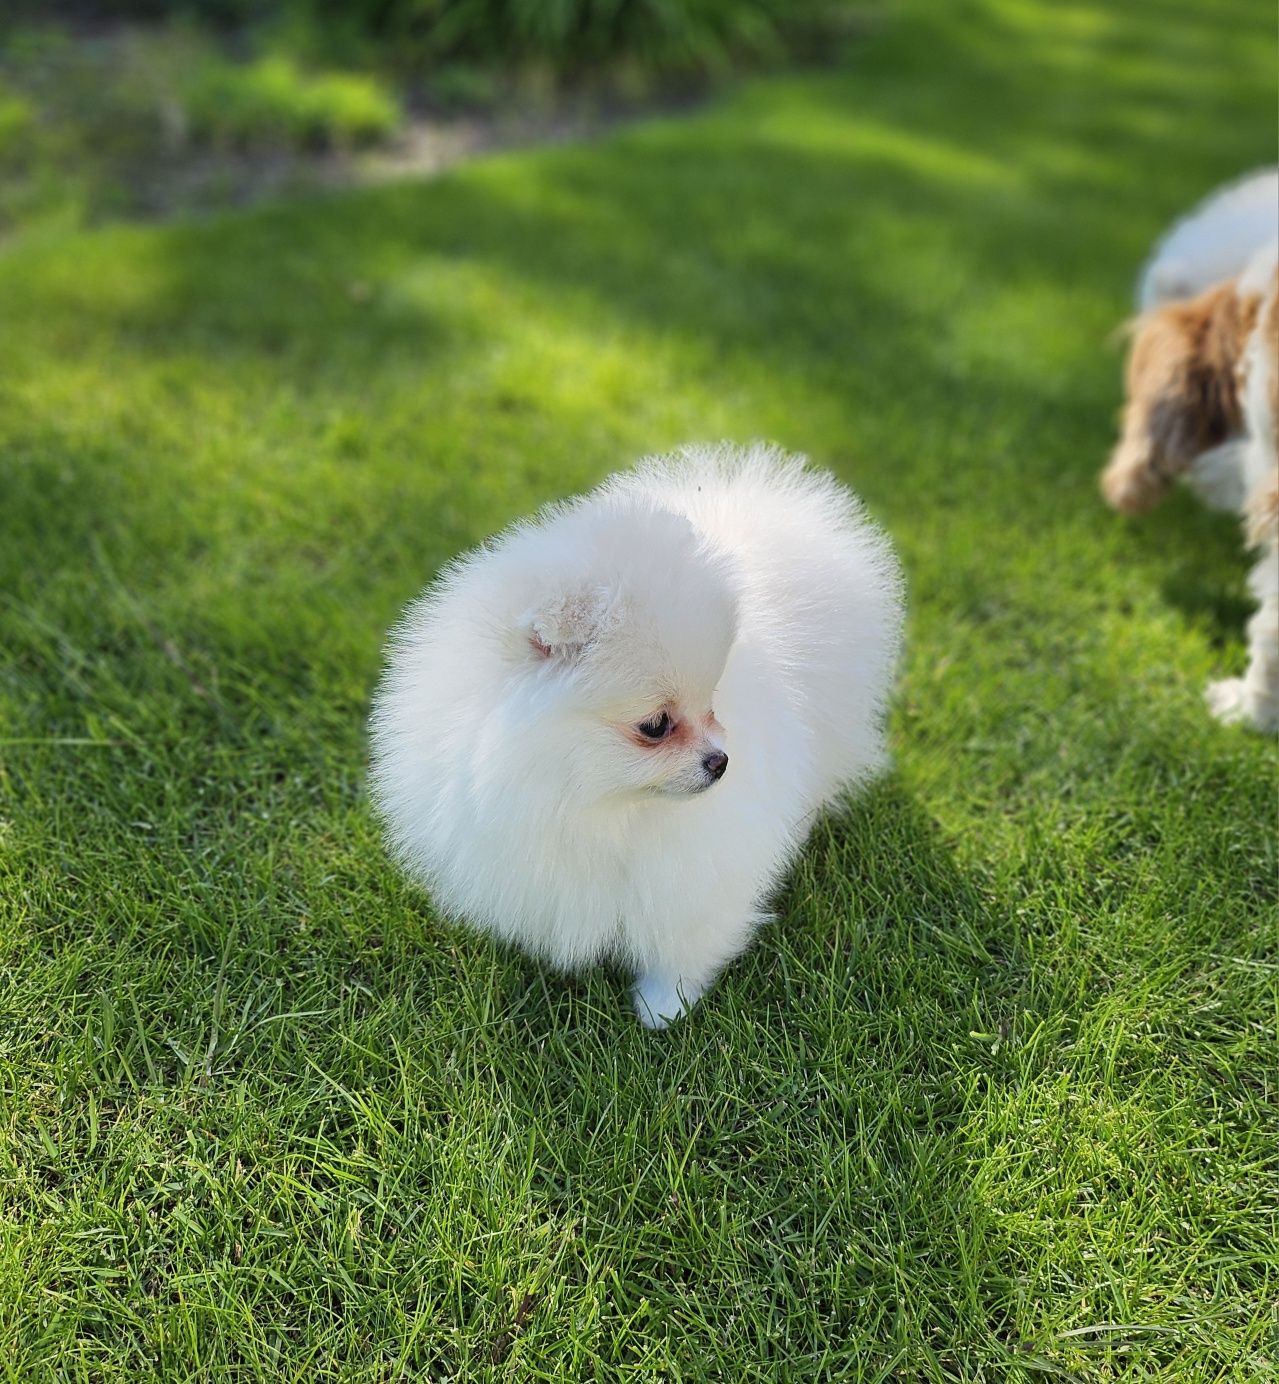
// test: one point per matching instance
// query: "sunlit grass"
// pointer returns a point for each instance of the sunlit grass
(994, 1099)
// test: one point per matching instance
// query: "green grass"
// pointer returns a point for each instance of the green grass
(993, 1100)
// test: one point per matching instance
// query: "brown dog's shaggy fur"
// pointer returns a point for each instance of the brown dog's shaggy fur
(1183, 393)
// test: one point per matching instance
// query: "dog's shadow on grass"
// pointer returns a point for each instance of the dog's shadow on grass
(1197, 559)
(828, 1076)
(878, 900)
(884, 952)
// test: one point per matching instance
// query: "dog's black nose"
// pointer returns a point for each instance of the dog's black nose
(715, 763)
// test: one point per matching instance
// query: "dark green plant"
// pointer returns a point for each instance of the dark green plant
(657, 37)
(661, 36)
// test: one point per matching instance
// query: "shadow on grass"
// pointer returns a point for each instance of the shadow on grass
(1201, 564)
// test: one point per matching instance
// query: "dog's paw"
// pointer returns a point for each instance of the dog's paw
(659, 1000)
(1233, 702)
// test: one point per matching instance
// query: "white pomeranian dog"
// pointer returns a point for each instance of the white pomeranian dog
(605, 733)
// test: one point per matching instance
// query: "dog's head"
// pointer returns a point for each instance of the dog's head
(624, 646)
(1182, 392)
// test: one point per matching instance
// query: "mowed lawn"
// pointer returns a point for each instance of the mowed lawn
(994, 1098)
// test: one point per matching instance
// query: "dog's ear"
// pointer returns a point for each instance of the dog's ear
(565, 624)
(1182, 393)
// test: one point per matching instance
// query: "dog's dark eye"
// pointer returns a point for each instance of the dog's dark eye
(656, 729)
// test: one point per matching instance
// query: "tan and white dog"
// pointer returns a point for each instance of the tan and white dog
(1202, 402)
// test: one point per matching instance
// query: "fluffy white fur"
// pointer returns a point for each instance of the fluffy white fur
(742, 595)
(1213, 242)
